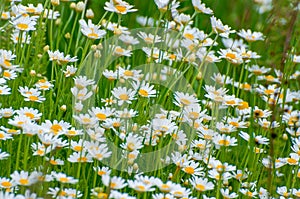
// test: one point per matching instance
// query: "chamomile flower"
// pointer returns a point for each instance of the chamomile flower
(91, 30)
(144, 89)
(80, 157)
(184, 99)
(201, 184)
(250, 36)
(258, 70)
(140, 186)
(24, 39)
(44, 85)
(149, 38)
(192, 168)
(24, 23)
(70, 71)
(3, 155)
(119, 51)
(113, 182)
(51, 14)
(24, 178)
(123, 95)
(5, 90)
(63, 178)
(31, 113)
(119, 6)
(219, 28)
(6, 183)
(128, 40)
(224, 140)
(200, 7)
(231, 56)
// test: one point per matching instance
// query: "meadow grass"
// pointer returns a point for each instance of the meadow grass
(149, 99)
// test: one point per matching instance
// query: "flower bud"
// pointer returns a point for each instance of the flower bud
(89, 14)
(80, 6)
(55, 2)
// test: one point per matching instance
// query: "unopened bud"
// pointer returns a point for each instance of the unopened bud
(32, 73)
(94, 47)
(55, 2)
(80, 6)
(285, 136)
(89, 14)
(63, 107)
(97, 54)
(73, 5)
(46, 48)
(67, 35)
(58, 21)
(135, 166)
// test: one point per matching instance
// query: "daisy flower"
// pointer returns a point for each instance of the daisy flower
(128, 40)
(100, 152)
(6, 183)
(133, 142)
(23, 178)
(80, 157)
(144, 89)
(51, 14)
(149, 38)
(201, 184)
(70, 71)
(82, 82)
(162, 4)
(3, 155)
(91, 30)
(31, 113)
(258, 70)
(126, 113)
(24, 39)
(140, 186)
(5, 90)
(24, 23)
(184, 99)
(101, 171)
(119, 51)
(224, 140)
(85, 119)
(200, 7)
(225, 193)
(192, 168)
(250, 36)
(63, 178)
(113, 182)
(123, 95)
(119, 6)
(231, 56)
(219, 28)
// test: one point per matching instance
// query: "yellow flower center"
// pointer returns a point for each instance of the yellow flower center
(292, 161)
(185, 101)
(235, 124)
(56, 128)
(189, 170)
(33, 98)
(22, 26)
(101, 116)
(200, 187)
(120, 8)
(124, 97)
(6, 184)
(24, 181)
(143, 93)
(230, 55)
(224, 142)
(189, 36)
